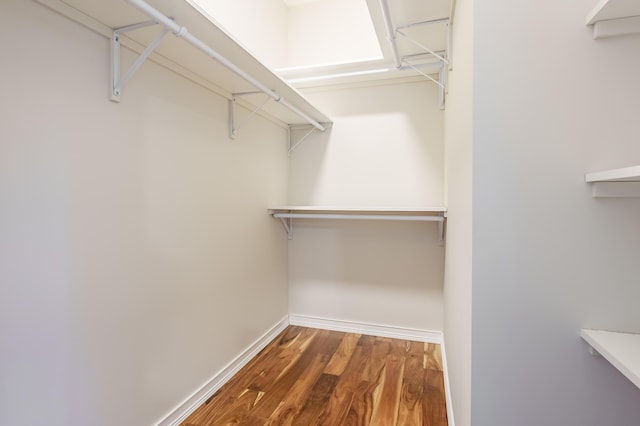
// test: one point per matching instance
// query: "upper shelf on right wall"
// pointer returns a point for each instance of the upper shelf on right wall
(612, 18)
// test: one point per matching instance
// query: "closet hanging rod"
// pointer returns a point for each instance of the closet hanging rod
(413, 218)
(183, 33)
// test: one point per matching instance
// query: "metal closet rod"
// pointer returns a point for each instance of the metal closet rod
(183, 33)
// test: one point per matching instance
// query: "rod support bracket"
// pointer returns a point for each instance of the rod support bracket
(288, 226)
(441, 228)
(118, 81)
(234, 126)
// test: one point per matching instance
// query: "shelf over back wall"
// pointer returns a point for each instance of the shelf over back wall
(286, 214)
(103, 16)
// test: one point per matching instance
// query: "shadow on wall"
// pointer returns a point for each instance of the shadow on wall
(374, 272)
(381, 254)
(306, 174)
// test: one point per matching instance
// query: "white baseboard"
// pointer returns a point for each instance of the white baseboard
(189, 405)
(365, 328)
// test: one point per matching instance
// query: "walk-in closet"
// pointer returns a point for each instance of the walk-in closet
(319, 212)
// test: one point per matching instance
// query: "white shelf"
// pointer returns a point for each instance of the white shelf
(613, 9)
(104, 16)
(286, 214)
(622, 350)
(615, 183)
(626, 174)
(612, 18)
(359, 209)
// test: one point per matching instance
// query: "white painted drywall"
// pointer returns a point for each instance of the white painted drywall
(458, 168)
(136, 254)
(259, 25)
(329, 32)
(549, 105)
(385, 149)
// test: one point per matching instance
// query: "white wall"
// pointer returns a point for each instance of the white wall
(259, 25)
(385, 149)
(458, 168)
(136, 255)
(551, 104)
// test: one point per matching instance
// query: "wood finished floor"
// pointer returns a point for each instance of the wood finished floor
(317, 377)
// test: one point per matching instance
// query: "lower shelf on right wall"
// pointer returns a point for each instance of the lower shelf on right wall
(620, 349)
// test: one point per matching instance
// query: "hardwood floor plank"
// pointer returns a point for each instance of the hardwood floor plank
(387, 396)
(376, 363)
(311, 377)
(432, 357)
(236, 411)
(410, 410)
(343, 394)
(317, 401)
(289, 351)
(341, 358)
(249, 421)
(361, 407)
(286, 412)
(433, 402)
(325, 343)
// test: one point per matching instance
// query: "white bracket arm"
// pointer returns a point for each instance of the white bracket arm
(293, 146)
(117, 81)
(288, 226)
(233, 124)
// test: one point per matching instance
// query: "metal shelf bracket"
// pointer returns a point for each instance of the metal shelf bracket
(444, 63)
(401, 62)
(288, 226)
(233, 118)
(118, 81)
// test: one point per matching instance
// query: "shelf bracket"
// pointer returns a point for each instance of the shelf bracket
(442, 89)
(293, 146)
(444, 63)
(288, 226)
(118, 81)
(233, 119)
